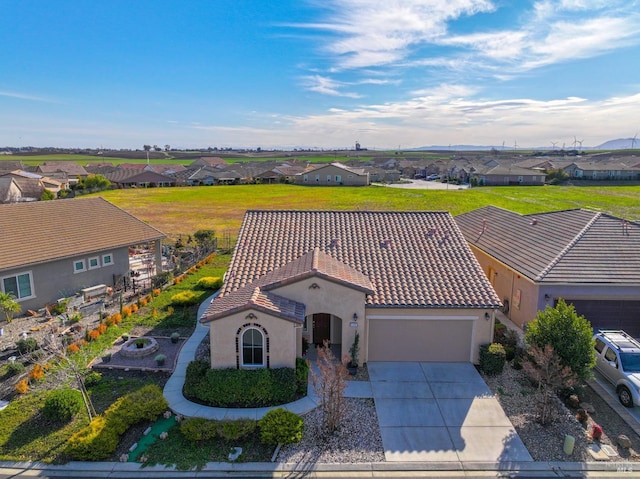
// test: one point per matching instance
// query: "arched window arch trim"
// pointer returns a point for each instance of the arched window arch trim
(240, 346)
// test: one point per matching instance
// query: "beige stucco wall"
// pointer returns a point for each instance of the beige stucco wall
(482, 330)
(507, 282)
(282, 336)
(335, 299)
(347, 178)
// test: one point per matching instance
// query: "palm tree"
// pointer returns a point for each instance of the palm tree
(9, 306)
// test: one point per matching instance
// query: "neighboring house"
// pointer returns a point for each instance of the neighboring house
(587, 258)
(333, 174)
(53, 249)
(508, 175)
(128, 178)
(62, 170)
(407, 282)
(10, 192)
(280, 174)
(602, 170)
(213, 161)
(379, 175)
(30, 184)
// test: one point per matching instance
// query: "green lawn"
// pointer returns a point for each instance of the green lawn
(178, 211)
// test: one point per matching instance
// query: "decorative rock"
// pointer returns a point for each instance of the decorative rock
(133, 447)
(147, 431)
(573, 401)
(623, 441)
(124, 458)
(235, 453)
(167, 414)
(179, 418)
(164, 435)
(143, 459)
(588, 407)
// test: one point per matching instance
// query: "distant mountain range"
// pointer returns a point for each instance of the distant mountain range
(618, 144)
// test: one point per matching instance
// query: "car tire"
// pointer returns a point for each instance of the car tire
(626, 399)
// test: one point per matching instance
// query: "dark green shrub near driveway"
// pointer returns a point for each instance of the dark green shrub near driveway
(492, 358)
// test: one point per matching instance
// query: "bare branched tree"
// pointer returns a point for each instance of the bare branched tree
(70, 367)
(544, 366)
(329, 384)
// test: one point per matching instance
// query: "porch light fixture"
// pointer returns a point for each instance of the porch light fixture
(355, 316)
(547, 297)
(250, 316)
(314, 286)
(487, 316)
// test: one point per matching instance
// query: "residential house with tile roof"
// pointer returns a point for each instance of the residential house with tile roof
(406, 282)
(333, 174)
(589, 259)
(53, 249)
(507, 175)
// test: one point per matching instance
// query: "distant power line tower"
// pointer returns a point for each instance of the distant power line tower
(358, 148)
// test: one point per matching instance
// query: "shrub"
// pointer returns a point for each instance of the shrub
(27, 345)
(142, 302)
(199, 429)
(102, 328)
(22, 386)
(117, 318)
(36, 373)
(14, 368)
(110, 321)
(596, 432)
(94, 334)
(185, 298)
(99, 439)
(73, 348)
(126, 312)
(233, 430)
(570, 335)
(492, 358)
(280, 426)
(134, 307)
(160, 359)
(209, 282)
(156, 292)
(92, 379)
(239, 387)
(175, 337)
(302, 376)
(62, 404)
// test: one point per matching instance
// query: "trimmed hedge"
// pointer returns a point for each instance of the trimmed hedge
(209, 282)
(186, 298)
(280, 426)
(99, 439)
(241, 387)
(302, 376)
(492, 358)
(62, 404)
(199, 429)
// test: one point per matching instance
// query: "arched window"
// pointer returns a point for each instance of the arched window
(252, 348)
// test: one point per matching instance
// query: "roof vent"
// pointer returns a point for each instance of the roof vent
(534, 222)
(625, 227)
(335, 242)
(386, 243)
(431, 232)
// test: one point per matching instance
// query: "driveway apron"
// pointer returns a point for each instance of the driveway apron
(441, 412)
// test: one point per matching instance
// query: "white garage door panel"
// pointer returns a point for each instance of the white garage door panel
(419, 340)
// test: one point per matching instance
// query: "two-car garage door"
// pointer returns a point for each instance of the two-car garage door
(610, 314)
(420, 340)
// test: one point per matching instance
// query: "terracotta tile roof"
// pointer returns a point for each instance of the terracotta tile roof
(43, 231)
(69, 167)
(412, 259)
(255, 298)
(571, 246)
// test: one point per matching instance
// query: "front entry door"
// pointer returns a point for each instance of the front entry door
(321, 328)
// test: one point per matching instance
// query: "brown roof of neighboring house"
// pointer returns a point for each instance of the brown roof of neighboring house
(570, 246)
(69, 167)
(410, 259)
(44, 231)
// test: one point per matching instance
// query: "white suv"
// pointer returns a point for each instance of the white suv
(618, 359)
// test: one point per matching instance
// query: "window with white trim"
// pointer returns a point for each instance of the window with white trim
(338, 178)
(79, 266)
(107, 259)
(328, 178)
(317, 178)
(94, 262)
(306, 178)
(19, 285)
(252, 347)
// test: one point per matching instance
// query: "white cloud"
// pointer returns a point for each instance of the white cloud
(326, 86)
(24, 96)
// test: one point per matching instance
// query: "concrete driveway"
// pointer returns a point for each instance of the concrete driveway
(441, 412)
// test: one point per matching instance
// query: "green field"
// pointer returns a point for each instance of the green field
(178, 211)
(33, 160)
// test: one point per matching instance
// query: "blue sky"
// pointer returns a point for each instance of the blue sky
(318, 73)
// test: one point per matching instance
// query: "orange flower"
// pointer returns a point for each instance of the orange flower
(73, 348)
(22, 386)
(37, 373)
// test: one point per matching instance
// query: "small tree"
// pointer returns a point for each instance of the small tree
(9, 306)
(570, 335)
(545, 367)
(329, 384)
